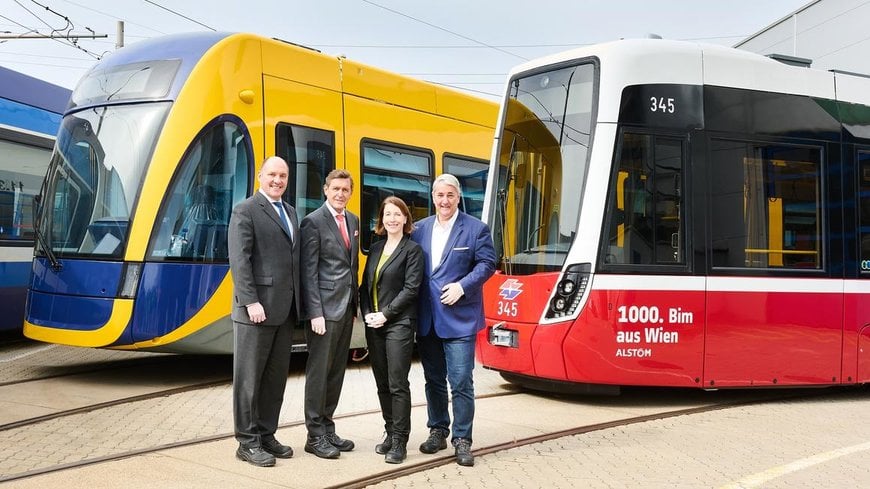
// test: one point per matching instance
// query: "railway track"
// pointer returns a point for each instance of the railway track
(381, 473)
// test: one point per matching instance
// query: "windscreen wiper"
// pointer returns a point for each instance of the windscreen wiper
(40, 238)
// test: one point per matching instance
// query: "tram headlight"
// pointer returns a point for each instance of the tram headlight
(570, 291)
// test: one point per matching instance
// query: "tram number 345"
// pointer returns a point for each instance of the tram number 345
(662, 104)
(507, 309)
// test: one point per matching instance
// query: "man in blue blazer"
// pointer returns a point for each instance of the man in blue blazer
(459, 258)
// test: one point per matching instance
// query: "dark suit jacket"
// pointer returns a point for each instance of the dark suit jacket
(398, 282)
(468, 258)
(263, 260)
(329, 270)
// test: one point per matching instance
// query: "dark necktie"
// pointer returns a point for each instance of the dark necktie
(280, 207)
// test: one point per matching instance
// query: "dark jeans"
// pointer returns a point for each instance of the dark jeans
(390, 349)
(324, 373)
(449, 359)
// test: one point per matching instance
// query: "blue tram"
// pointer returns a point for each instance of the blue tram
(30, 114)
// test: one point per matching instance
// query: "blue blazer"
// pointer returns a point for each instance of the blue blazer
(468, 258)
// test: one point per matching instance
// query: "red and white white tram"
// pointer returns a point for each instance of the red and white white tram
(676, 214)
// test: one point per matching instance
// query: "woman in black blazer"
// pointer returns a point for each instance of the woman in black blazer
(388, 300)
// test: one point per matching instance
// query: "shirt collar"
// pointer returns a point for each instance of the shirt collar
(267, 197)
(332, 211)
(450, 222)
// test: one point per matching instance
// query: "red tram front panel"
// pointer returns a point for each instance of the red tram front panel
(646, 335)
(514, 304)
(680, 331)
(639, 330)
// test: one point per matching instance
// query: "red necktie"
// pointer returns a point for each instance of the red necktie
(343, 228)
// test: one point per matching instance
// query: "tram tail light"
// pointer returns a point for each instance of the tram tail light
(569, 291)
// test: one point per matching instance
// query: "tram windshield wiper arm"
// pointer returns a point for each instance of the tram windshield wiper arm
(40, 238)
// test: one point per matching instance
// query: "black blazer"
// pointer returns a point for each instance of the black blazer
(398, 282)
(264, 260)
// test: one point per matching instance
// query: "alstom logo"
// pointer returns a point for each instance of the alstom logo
(510, 289)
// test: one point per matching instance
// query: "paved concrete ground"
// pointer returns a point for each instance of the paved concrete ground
(819, 441)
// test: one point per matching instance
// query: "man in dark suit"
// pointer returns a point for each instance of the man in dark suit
(264, 261)
(459, 258)
(330, 268)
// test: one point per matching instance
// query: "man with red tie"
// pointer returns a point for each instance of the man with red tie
(330, 266)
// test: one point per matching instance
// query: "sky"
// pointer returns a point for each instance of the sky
(466, 44)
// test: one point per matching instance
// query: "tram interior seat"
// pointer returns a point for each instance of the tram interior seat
(208, 240)
(207, 236)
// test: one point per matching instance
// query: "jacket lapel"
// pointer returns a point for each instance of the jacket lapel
(399, 249)
(270, 211)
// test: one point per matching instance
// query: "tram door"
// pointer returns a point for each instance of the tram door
(657, 309)
(772, 317)
(306, 124)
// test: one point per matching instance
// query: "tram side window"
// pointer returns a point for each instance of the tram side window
(766, 205)
(213, 176)
(645, 224)
(471, 174)
(311, 155)
(388, 170)
(22, 168)
(864, 206)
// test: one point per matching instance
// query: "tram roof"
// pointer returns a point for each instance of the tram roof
(648, 61)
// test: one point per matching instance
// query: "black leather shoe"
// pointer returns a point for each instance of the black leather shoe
(398, 450)
(339, 442)
(321, 447)
(255, 456)
(463, 452)
(277, 449)
(437, 441)
(383, 448)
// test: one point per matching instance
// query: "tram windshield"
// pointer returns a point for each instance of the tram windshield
(94, 178)
(542, 159)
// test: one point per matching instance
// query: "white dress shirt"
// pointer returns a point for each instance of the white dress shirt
(440, 234)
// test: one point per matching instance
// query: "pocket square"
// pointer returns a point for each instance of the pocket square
(460, 248)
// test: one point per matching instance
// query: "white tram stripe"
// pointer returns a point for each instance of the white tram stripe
(729, 284)
(648, 282)
(756, 480)
(770, 284)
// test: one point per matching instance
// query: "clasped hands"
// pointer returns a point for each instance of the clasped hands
(375, 319)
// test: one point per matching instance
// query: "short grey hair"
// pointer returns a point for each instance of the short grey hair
(449, 180)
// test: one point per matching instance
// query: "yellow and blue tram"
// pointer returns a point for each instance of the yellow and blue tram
(163, 137)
